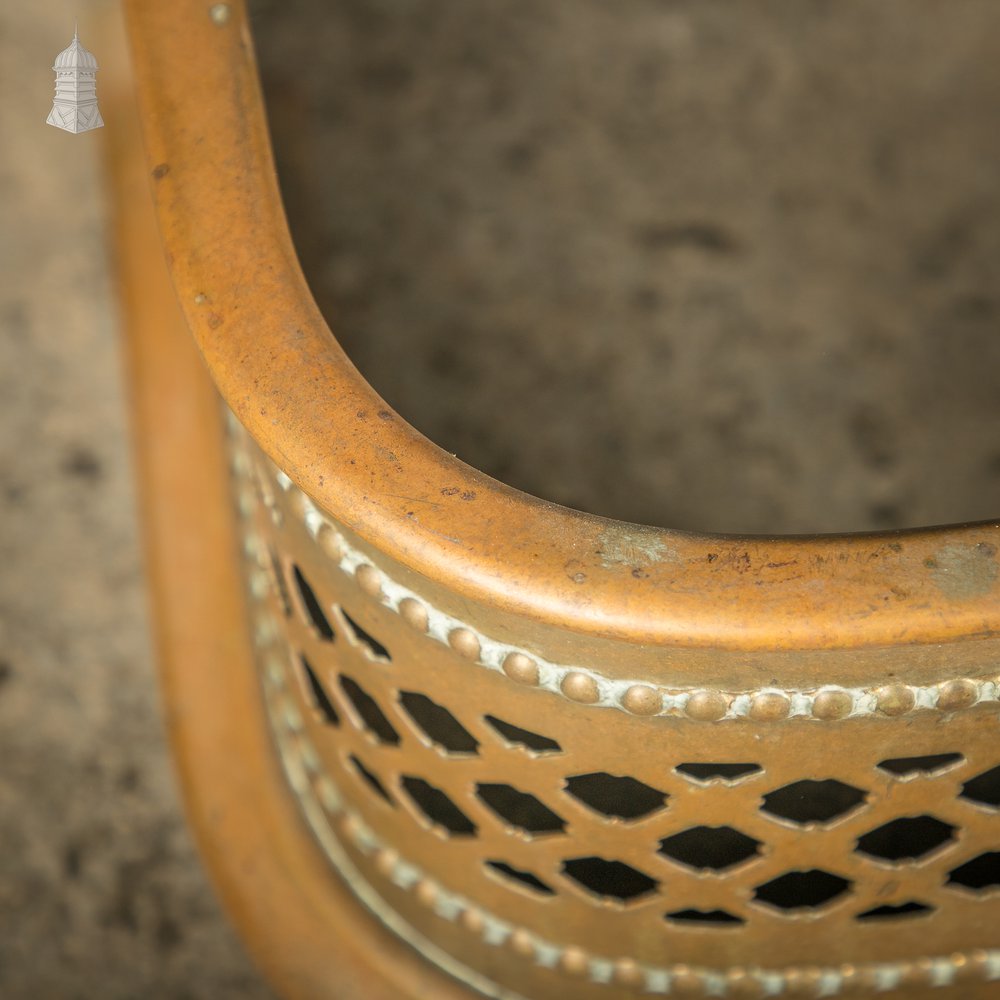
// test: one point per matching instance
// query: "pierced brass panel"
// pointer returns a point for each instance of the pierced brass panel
(544, 841)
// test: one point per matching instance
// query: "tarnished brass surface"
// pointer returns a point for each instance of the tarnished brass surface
(512, 729)
(635, 839)
(285, 377)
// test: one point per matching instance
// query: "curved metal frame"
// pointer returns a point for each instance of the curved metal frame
(645, 620)
(247, 303)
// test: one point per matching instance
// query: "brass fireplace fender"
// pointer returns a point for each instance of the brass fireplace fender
(596, 629)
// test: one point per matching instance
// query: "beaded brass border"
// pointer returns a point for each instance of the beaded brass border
(301, 765)
(320, 799)
(825, 703)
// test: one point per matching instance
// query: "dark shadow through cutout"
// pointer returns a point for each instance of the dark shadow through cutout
(371, 780)
(526, 879)
(371, 715)
(617, 797)
(980, 873)
(437, 807)
(520, 809)
(717, 772)
(910, 767)
(609, 879)
(440, 726)
(279, 583)
(705, 918)
(984, 788)
(525, 737)
(320, 699)
(802, 890)
(887, 912)
(314, 610)
(712, 848)
(905, 839)
(812, 801)
(375, 648)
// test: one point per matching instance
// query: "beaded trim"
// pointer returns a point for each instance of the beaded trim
(584, 686)
(321, 801)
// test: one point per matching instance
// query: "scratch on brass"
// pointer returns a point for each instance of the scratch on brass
(631, 546)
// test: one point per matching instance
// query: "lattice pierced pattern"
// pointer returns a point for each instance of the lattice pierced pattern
(631, 838)
(613, 800)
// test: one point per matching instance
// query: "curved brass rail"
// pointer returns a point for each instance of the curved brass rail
(279, 368)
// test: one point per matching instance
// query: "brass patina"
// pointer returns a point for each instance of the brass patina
(440, 737)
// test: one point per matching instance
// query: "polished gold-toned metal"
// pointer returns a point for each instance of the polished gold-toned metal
(895, 699)
(707, 706)
(329, 542)
(521, 668)
(417, 750)
(769, 706)
(369, 580)
(957, 694)
(465, 642)
(580, 686)
(832, 705)
(414, 613)
(641, 699)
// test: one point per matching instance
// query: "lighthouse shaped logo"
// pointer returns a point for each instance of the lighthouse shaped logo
(75, 106)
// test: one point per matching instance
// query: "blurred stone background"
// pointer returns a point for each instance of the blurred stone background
(101, 893)
(717, 266)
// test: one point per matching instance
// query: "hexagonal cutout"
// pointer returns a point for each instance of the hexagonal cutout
(705, 918)
(710, 848)
(314, 613)
(374, 650)
(519, 878)
(808, 801)
(616, 797)
(899, 910)
(317, 694)
(801, 890)
(905, 839)
(727, 774)
(613, 881)
(439, 810)
(516, 736)
(280, 585)
(984, 788)
(438, 724)
(520, 809)
(370, 779)
(906, 768)
(980, 874)
(372, 717)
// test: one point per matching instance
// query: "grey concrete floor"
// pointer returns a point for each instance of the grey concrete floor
(101, 894)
